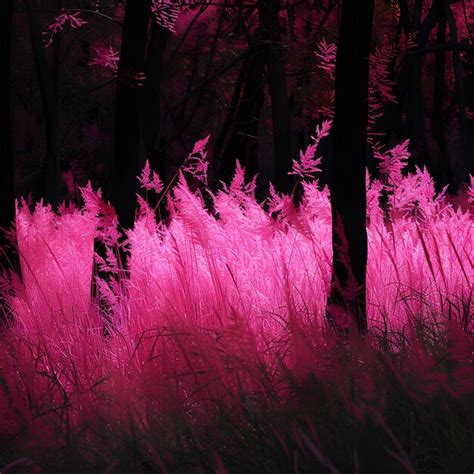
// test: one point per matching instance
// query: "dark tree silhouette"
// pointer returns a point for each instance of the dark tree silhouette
(128, 121)
(404, 20)
(50, 172)
(8, 254)
(348, 163)
(151, 112)
(404, 118)
(443, 167)
(239, 135)
(272, 51)
(409, 97)
(467, 158)
(56, 60)
(7, 187)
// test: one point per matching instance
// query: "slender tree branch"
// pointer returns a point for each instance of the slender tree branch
(445, 47)
(82, 10)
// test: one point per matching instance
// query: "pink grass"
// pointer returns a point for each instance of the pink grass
(216, 310)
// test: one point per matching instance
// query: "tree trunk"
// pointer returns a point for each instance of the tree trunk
(151, 113)
(469, 91)
(347, 181)
(404, 21)
(443, 170)
(64, 165)
(404, 118)
(7, 186)
(239, 136)
(50, 172)
(57, 5)
(460, 95)
(413, 106)
(272, 51)
(8, 254)
(128, 124)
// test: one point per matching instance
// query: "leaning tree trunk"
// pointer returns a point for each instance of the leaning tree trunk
(50, 171)
(348, 164)
(128, 122)
(272, 51)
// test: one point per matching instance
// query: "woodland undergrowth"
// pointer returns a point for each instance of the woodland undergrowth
(208, 349)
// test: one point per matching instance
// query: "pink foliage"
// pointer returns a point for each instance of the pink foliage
(381, 82)
(166, 12)
(95, 207)
(326, 53)
(470, 191)
(49, 254)
(105, 57)
(196, 164)
(307, 165)
(108, 58)
(207, 303)
(150, 180)
(392, 162)
(73, 19)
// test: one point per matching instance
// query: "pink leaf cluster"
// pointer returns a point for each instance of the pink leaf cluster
(381, 82)
(326, 53)
(307, 166)
(72, 18)
(110, 263)
(392, 162)
(166, 12)
(108, 58)
(412, 195)
(105, 57)
(239, 189)
(197, 164)
(103, 214)
(150, 180)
